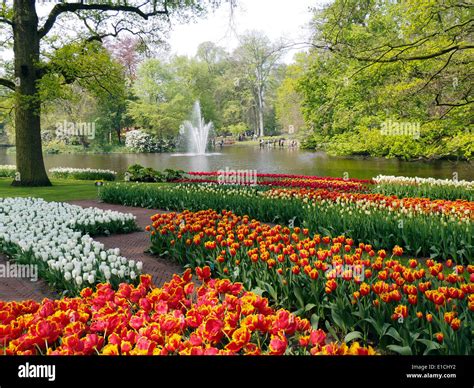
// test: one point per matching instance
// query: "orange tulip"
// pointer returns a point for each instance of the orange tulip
(456, 324)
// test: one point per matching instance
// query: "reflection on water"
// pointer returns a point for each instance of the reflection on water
(263, 160)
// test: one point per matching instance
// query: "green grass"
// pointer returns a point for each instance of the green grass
(62, 190)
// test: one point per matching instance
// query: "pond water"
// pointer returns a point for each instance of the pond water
(264, 161)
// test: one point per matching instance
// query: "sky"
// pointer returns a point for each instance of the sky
(288, 19)
(276, 18)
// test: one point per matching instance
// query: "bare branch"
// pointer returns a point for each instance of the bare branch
(6, 21)
(466, 101)
(437, 73)
(73, 7)
(7, 83)
(420, 57)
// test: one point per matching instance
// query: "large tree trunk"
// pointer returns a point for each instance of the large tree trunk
(29, 157)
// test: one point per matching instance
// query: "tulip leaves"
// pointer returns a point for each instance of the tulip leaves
(402, 350)
(421, 233)
(352, 336)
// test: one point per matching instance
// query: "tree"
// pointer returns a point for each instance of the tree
(127, 52)
(436, 35)
(88, 67)
(214, 56)
(288, 102)
(377, 60)
(164, 98)
(257, 59)
(100, 19)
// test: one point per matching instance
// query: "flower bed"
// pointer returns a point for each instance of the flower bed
(406, 306)
(83, 173)
(287, 180)
(424, 187)
(7, 171)
(437, 229)
(54, 236)
(459, 209)
(217, 317)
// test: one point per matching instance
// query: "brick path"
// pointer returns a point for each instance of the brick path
(21, 288)
(132, 246)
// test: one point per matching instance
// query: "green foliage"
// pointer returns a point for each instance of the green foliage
(288, 104)
(83, 83)
(138, 173)
(236, 129)
(386, 62)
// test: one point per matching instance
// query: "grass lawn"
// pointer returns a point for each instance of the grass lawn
(62, 190)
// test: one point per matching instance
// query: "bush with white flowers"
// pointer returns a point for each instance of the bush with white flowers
(51, 236)
(7, 171)
(82, 173)
(140, 141)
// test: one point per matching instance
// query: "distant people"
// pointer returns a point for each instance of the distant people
(261, 143)
(275, 143)
(221, 143)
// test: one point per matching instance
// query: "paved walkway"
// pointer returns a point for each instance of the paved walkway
(132, 246)
(22, 289)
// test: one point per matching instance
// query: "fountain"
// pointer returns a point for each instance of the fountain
(196, 132)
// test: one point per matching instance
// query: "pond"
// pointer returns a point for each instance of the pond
(271, 160)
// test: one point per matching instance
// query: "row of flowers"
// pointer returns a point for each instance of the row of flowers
(286, 176)
(403, 180)
(7, 171)
(67, 173)
(406, 306)
(449, 189)
(459, 209)
(83, 173)
(278, 180)
(216, 317)
(307, 183)
(424, 187)
(54, 236)
(440, 233)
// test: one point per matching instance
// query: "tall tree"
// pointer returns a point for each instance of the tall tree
(258, 58)
(288, 104)
(100, 19)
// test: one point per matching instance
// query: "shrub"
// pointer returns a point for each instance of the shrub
(138, 173)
